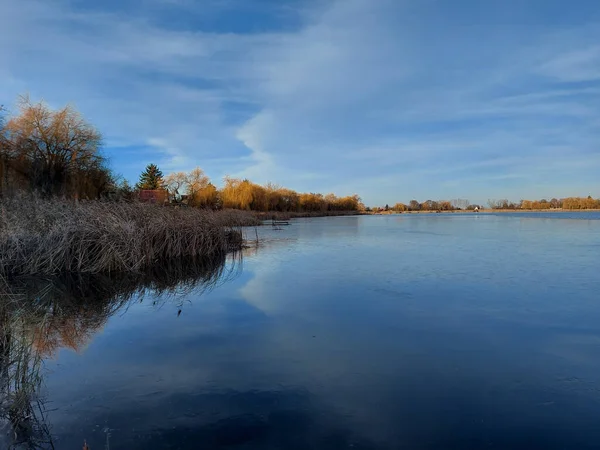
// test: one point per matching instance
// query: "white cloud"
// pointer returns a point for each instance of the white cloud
(364, 84)
(357, 92)
(578, 65)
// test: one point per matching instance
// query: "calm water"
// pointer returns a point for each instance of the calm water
(382, 332)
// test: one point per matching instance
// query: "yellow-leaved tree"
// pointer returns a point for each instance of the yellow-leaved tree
(54, 152)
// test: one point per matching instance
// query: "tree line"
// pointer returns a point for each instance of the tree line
(195, 188)
(571, 203)
(58, 153)
(428, 205)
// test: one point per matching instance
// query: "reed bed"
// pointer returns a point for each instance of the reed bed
(51, 236)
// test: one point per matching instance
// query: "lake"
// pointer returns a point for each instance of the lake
(422, 331)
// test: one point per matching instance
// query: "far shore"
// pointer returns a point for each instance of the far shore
(284, 216)
(556, 210)
(488, 211)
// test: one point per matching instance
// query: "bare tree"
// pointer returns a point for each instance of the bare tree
(55, 152)
(460, 203)
(175, 182)
(414, 205)
(197, 180)
(494, 204)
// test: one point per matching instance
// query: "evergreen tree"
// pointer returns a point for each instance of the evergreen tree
(151, 178)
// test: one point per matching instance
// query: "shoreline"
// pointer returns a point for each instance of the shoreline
(278, 215)
(556, 210)
(485, 211)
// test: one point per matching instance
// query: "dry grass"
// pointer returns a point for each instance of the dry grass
(40, 236)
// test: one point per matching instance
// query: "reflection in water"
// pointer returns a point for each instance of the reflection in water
(274, 419)
(422, 332)
(22, 412)
(39, 316)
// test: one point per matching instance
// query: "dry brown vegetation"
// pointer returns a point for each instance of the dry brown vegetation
(57, 153)
(428, 205)
(570, 203)
(51, 152)
(243, 194)
(48, 236)
(246, 195)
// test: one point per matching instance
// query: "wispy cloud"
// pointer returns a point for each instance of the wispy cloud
(389, 99)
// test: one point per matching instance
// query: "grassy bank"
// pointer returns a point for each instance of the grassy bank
(55, 236)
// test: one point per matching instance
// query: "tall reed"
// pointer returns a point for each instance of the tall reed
(50, 236)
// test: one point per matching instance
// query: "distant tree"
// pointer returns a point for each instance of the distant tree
(151, 178)
(174, 182)
(414, 205)
(126, 190)
(196, 181)
(460, 203)
(195, 185)
(237, 194)
(387, 207)
(501, 204)
(121, 189)
(429, 205)
(206, 197)
(445, 205)
(580, 203)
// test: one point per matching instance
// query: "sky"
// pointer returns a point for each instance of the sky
(388, 99)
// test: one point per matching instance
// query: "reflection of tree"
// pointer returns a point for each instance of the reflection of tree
(38, 316)
(21, 409)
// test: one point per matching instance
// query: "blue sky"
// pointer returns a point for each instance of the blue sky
(390, 99)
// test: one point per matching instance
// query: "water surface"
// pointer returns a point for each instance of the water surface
(380, 332)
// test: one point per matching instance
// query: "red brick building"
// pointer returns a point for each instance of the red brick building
(158, 196)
